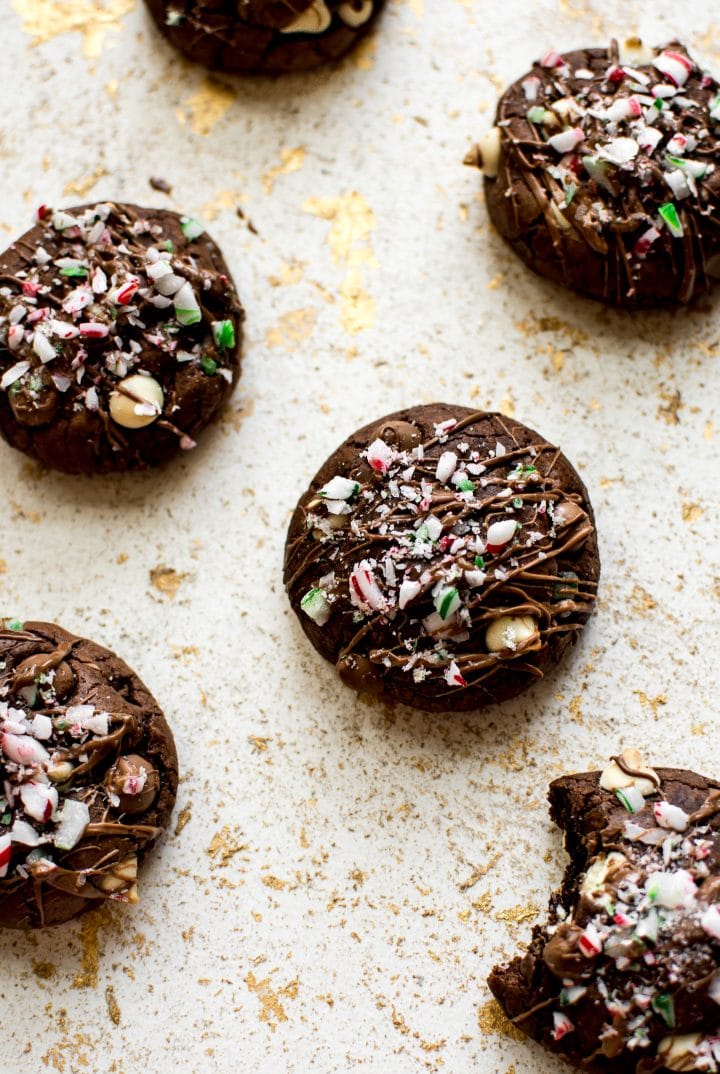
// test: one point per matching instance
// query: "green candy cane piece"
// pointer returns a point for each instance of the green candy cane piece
(191, 228)
(223, 334)
(316, 605)
(669, 214)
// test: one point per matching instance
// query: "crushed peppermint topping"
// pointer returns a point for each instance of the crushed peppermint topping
(101, 293)
(646, 135)
(426, 552)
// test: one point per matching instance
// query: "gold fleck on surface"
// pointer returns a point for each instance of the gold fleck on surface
(483, 904)
(224, 845)
(81, 187)
(291, 160)
(94, 19)
(293, 328)
(516, 915)
(669, 409)
(352, 224)
(479, 872)
(652, 703)
(273, 882)
(184, 817)
(91, 925)
(641, 603)
(113, 1007)
(207, 106)
(692, 512)
(493, 1022)
(259, 743)
(167, 580)
(272, 1010)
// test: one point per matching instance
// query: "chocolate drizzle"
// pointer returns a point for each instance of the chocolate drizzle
(404, 576)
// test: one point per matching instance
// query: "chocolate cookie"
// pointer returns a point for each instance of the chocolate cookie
(120, 333)
(264, 36)
(626, 977)
(89, 774)
(602, 173)
(443, 557)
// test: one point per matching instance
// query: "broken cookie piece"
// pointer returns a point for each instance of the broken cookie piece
(625, 977)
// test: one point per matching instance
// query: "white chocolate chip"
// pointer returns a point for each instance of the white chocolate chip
(594, 878)
(488, 149)
(120, 876)
(315, 20)
(141, 406)
(356, 14)
(634, 53)
(614, 779)
(680, 1053)
(508, 632)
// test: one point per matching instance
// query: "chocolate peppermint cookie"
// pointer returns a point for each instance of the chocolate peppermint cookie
(626, 977)
(89, 775)
(602, 173)
(120, 333)
(264, 36)
(443, 557)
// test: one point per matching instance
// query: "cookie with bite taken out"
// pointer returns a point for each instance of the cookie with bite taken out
(625, 977)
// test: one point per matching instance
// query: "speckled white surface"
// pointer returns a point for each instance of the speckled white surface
(314, 911)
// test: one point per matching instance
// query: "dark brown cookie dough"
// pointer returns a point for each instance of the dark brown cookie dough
(443, 557)
(626, 977)
(602, 173)
(120, 337)
(89, 775)
(264, 36)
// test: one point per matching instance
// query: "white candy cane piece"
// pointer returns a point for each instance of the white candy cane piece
(710, 921)
(453, 675)
(339, 488)
(674, 66)
(670, 816)
(5, 852)
(78, 299)
(22, 832)
(408, 591)
(13, 374)
(589, 942)
(39, 800)
(380, 456)
(671, 890)
(561, 1026)
(365, 593)
(446, 466)
(43, 347)
(566, 141)
(23, 749)
(619, 150)
(499, 534)
(75, 819)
